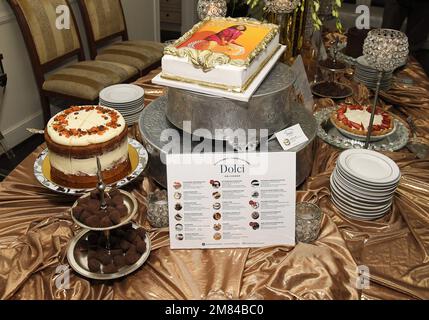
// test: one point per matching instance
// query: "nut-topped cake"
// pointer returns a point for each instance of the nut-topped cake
(76, 136)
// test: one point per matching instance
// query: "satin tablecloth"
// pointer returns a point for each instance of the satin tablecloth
(35, 227)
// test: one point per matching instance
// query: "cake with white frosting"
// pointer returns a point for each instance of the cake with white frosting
(76, 136)
(222, 53)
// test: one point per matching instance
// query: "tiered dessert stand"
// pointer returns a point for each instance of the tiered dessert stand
(272, 108)
(78, 258)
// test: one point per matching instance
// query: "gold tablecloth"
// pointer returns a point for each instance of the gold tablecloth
(35, 227)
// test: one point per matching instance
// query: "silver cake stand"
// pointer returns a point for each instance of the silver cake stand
(154, 125)
(269, 108)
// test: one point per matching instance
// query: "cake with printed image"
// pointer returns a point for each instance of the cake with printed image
(77, 136)
(222, 53)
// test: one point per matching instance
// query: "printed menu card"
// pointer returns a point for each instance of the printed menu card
(231, 200)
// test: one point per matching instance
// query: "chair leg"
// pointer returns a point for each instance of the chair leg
(46, 107)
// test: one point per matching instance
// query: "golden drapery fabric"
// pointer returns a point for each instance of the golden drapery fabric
(35, 226)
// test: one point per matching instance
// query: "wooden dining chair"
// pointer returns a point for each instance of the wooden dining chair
(52, 51)
(104, 22)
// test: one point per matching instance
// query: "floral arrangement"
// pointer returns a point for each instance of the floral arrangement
(315, 7)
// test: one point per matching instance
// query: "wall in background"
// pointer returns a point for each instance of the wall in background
(20, 105)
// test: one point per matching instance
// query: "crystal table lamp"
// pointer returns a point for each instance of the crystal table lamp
(211, 8)
(384, 50)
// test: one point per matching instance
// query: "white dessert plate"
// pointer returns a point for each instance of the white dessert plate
(370, 166)
(364, 185)
(138, 157)
(244, 96)
(367, 211)
(358, 204)
(122, 93)
(122, 105)
(359, 213)
(366, 196)
(363, 199)
(351, 215)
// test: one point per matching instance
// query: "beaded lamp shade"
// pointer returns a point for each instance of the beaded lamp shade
(386, 49)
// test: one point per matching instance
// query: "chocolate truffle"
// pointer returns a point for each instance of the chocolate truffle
(141, 232)
(94, 204)
(94, 265)
(92, 221)
(132, 257)
(110, 268)
(102, 256)
(115, 217)
(118, 200)
(119, 233)
(122, 210)
(131, 235)
(78, 210)
(105, 222)
(84, 215)
(119, 261)
(125, 245)
(141, 247)
(115, 192)
(116, 252)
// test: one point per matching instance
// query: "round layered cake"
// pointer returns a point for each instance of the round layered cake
(77, 136)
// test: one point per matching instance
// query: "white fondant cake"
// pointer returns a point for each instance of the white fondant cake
(222, 53)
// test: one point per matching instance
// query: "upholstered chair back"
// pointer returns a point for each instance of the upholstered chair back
(40, 20)
(105, 17)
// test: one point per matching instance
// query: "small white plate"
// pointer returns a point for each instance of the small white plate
(358, 194)
(359, 213)
(363, 209)
(122, 93)
(362, 199)
(364, 185)
(353, 216)
(122, 105)
(370, 166)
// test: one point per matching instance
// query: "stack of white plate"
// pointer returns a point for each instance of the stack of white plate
(128, 99)
(368, 76)
(363, 184)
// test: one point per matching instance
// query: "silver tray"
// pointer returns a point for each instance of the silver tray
(153, 122)
(350, 93)
(79, 262)
(269, 107)
(330, 134)
(138, 157)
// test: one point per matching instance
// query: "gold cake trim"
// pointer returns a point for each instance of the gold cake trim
(222, 86)
(207, 59)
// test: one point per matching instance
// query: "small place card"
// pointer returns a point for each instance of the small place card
(291, 137)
